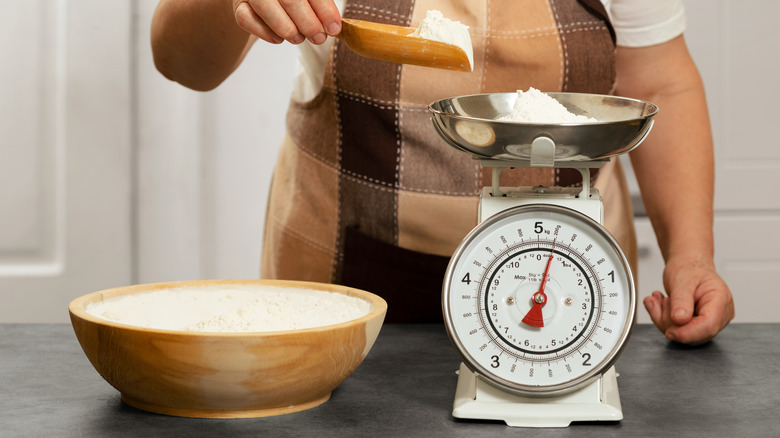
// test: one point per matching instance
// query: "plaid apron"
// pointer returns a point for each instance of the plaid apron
(366, 194)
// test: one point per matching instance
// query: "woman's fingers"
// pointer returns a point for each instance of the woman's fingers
(291, 20)
(247, 19)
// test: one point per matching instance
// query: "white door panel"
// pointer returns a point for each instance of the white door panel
(31, 164)
(747, 258)
(65, 168)
(733, 47)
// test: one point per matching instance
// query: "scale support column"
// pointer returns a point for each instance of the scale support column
(585, 199)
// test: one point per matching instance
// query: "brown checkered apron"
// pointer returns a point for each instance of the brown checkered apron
(365, 193)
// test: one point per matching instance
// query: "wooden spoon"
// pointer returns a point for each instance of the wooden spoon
(390, 43)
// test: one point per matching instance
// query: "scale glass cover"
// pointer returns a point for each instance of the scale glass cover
(537, 299)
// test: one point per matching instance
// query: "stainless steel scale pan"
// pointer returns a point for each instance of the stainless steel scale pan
(468, 123)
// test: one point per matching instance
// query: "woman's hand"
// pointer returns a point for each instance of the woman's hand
(275, 21)
(699, 304)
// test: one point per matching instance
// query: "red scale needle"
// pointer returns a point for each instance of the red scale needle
(534, 316)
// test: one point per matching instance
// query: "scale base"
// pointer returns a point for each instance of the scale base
(475, 399)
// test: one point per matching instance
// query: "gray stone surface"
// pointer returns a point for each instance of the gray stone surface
(727, 388)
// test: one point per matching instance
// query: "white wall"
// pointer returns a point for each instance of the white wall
(159, 183)
(205, 162)
(733, 44)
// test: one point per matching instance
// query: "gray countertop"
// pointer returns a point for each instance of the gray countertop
(729, 388)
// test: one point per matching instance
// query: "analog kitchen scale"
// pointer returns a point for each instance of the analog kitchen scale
(539, 298)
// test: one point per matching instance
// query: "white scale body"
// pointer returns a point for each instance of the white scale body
(539, 299)
(592, 395)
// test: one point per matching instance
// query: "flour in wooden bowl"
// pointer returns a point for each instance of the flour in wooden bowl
(235, 308)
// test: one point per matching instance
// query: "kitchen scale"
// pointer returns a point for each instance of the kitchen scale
(539, 298)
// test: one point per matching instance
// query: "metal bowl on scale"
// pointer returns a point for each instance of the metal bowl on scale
(469, 123)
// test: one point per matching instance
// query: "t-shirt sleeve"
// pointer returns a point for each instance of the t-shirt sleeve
(640, 23)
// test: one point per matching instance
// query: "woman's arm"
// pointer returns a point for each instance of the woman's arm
(675, 171)
(199, 43)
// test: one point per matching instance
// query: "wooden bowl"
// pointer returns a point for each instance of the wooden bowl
(225, 375)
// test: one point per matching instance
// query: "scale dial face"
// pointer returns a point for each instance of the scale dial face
(539, 300)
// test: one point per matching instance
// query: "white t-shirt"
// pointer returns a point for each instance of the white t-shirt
(640, 23)
(637, 23)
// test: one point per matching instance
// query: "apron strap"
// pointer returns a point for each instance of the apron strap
(597, 8)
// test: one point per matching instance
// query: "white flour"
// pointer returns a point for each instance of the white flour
(533, 106)
(438, 28)
(233, 308)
